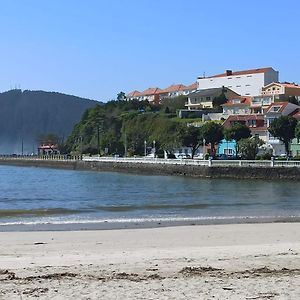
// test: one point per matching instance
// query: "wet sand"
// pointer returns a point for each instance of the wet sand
(241, 261)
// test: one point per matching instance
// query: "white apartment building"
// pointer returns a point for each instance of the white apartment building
(245, 83)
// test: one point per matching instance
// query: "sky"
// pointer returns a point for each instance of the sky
(97, 48)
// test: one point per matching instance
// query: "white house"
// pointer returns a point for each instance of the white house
(245, 83)
(274, 111)
(237, 106)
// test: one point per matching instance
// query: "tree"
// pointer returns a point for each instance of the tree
(284, 129)
(49, 138)
(237, 132)
(212, 133)
(248, 148)
(219, 100)
(293, 100)
(192, 137)
(173, 104)
(166, 133)
(121, 96)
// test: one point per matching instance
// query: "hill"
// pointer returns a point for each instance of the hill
(26, 115)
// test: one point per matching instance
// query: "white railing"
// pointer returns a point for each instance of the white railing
(197, 162)
(160, 161)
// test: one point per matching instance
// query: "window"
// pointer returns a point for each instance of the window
(207, 98)
(247, 94)
(228, 151)
(229, 77)
(238, 86)
(248, 84)
(276, 108)
(238, 77)
(252, 123)
(249, 75)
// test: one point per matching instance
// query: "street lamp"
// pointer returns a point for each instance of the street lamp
(154, 149)
(80, 147)
(145, 148)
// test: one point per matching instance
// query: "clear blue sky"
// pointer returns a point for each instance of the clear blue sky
(96, 48)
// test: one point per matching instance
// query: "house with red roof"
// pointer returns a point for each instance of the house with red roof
(237, 106)
(134, 95)
(172, 91)
(281, 91)
(48, 149)
(155, 95)
(245, 83)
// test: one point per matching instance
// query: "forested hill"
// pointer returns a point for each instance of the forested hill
(26, 115)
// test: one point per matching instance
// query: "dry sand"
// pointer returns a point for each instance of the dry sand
(249, 261)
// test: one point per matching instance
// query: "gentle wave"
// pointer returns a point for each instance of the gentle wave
(150, 207)
(125, 208)
(149, 220)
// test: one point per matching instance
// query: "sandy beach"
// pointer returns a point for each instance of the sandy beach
(245, 261)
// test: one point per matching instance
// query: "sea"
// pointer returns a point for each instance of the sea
(55, 199)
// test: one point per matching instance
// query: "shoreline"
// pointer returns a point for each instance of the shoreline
(195, 171)
(142, 224)
(241, 261)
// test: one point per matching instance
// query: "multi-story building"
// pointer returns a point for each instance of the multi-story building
(245, 83)
(281, 91)
(204, 98)
(255, 122)
(237, 106)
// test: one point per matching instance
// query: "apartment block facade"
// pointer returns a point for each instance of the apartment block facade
(244, 83)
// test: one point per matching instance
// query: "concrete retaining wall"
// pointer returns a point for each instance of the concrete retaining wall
(237, 172)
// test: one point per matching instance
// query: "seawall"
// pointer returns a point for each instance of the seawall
(234, 172)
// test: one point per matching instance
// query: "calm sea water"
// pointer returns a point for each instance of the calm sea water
(50, 196)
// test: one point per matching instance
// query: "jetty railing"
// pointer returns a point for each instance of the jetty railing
(160, 161)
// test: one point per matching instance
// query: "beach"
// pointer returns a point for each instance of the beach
(234, 261)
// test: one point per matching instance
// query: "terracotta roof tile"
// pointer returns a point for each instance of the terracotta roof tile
(239, 118)
(134, 94)
(243, 101)
(191, 87)
(151, 91)
(290, 85)
(244, 72)
(174, 88)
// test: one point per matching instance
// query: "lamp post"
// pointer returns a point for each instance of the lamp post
(80, 147)
(145, 148)
(125, 145)
(98, 140)
(154, 149)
